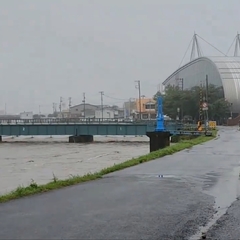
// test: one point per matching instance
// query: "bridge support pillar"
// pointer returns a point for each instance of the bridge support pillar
(158, 140)
(81, 139)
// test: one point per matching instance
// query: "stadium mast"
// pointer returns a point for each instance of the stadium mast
(237, 45)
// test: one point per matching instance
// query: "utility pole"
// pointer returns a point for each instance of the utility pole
(182, 100)
(207, 100)
(102, 93)
(69, 106)
(138, 86)
(60, 106)
(180, 85)
(200, 108)
(130, 102)
(54, 107)
(84, 105)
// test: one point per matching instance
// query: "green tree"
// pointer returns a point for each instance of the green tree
(188, 101)
(219, 109)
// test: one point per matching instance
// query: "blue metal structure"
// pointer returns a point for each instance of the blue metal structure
(75, 120)
(88, 129)
(18, 127)
(74, 129)
(160, 117)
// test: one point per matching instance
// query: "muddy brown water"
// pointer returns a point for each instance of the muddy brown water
(23, 159)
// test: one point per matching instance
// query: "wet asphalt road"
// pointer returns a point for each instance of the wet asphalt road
(197, 187)
(227, 227)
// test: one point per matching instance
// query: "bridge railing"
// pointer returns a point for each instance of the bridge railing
(75, 121)
(169, 125)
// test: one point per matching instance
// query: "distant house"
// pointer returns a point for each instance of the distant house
(77, 111)
(119, 113)
(26, 115)
(148, 108)
(129, 109)
(63, 114)
(105, 113)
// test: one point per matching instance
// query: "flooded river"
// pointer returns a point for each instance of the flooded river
(23, 159)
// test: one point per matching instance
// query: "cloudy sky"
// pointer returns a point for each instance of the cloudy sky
(54, 48)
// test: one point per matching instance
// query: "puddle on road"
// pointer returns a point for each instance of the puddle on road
(165, 176)
(225, 192)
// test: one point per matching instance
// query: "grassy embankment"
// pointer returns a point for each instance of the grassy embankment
(34, 188)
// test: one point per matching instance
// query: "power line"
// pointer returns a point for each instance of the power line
(120, 99)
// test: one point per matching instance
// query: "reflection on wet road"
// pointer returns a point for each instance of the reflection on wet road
(169, 198)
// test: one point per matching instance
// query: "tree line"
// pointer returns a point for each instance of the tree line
(185, 104)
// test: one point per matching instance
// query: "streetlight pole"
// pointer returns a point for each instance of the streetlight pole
(84, 105)
(139, 96)
(178, 110)
(180, 85)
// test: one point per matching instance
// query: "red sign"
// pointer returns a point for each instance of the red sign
(204, 105)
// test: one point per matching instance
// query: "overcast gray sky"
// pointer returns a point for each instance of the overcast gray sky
(53, 48)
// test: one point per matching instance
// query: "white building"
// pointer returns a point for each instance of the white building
(106, 113)
(26, 115)
(63, 114)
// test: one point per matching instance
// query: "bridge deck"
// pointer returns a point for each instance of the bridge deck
(87, 127)
(75, 129)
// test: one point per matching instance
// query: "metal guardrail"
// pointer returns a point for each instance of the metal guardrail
(74, 121)
(170, 125)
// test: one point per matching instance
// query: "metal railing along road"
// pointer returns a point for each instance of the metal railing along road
(170, 125)
(74, 121)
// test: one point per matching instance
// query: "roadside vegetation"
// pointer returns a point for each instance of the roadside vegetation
(56, 183)
(219, 109)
